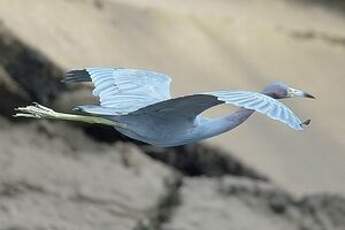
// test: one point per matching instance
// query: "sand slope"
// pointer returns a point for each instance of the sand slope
(214, 45)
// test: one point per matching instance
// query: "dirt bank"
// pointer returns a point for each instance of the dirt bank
(57, 175)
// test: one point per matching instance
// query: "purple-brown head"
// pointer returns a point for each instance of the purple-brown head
(280, 90)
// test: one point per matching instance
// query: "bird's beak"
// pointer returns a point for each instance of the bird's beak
(299, 93)
(307, 95)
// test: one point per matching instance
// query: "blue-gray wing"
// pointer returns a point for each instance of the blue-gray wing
(122, 91)
(183, 109)
(189, 107)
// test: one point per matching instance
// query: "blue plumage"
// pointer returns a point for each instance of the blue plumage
(138, 104)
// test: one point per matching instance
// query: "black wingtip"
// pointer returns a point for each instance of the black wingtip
(75, 76)
(306, 122)
(77, 109)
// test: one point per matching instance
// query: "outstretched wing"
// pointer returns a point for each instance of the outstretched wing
(122, 91)
(261, 103)
(189, 107)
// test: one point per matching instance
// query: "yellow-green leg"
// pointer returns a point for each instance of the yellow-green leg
(41, 112)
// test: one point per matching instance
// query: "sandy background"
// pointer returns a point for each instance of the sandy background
(215, 45)
(204, 46)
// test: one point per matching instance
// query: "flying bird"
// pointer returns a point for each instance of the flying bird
(137, 103)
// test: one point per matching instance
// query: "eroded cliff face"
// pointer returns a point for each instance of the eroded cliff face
(56, 175)
(206, 46)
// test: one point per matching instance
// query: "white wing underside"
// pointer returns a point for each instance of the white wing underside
(122, 91)
(261, 103)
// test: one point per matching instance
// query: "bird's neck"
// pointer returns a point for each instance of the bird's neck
(213, 127)
(216, 126)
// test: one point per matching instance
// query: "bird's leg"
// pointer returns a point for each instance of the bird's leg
(38, 111)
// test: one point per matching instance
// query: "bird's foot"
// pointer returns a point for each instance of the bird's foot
(35, 111)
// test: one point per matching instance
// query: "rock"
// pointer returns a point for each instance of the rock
(203, 46)
(54, 177)
(239, 203)
(11, 94)
(203, 160)
(32, 70)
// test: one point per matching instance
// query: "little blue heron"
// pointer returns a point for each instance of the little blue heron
(137, 103)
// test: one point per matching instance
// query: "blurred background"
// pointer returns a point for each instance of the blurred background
(264, 175)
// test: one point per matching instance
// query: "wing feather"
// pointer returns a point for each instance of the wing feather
(187, 108)
(262, 104)
(122, 90)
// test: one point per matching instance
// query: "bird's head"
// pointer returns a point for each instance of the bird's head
(280, 90)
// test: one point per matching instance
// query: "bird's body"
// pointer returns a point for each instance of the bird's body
(157, 132)
(138, 104)
(174, 132)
